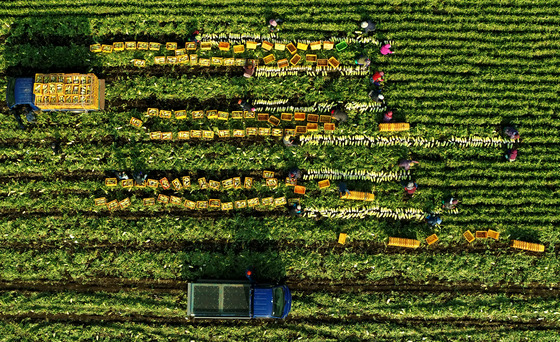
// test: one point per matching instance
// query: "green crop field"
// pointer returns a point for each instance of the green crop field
(460, 73)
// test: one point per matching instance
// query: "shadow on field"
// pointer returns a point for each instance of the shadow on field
(266, 266)
(523, 234)
(49, 44)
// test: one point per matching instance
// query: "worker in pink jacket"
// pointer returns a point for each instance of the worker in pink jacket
(385, 49)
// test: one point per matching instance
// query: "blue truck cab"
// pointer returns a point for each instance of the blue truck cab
(20, 92)
(237, 300)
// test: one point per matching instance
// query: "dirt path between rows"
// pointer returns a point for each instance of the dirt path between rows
(82, 319)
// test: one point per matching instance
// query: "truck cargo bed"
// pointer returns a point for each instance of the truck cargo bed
(211, 300)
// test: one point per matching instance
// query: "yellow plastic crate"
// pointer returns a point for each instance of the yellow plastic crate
(342, 238)
(469, 236)
(302, 46)
(251, 45)
(324, 184)
(328, 45)
(269, 59)
(528, 246)
(295, 59)
(280, 47)
(394, 127)
(402, 242)
(334, 62)
(267, 46)
(315, 46)
(118, 46)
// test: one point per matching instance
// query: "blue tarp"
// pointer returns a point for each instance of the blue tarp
(22, 93)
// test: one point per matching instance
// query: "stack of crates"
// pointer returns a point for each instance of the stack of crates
(357, 195)
(394, 127)
(66, 91)
(402, 242)
(528, 246)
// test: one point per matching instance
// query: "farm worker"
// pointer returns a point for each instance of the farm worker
(407, 163)
(362, 60)
(246, 105)
(274, 24)
(450, 204)
(55, 147)
(140, 177)
(195, 37)
(368, 26)
(121, 175)
(342, 189)
(249, 274)
(17, 115)
(433, 220)
(410, 188)
(376, 96)
(296, 210)
(511, 132)
(511, 155)
(288, 141)
(385, 49)
(29, 116)
(339, 115)
(294, 174)
(387, 117)
(377, 78)
(249, 70)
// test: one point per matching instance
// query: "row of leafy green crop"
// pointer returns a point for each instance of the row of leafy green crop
(411, 11)
(395, 305)
(87, 231)
(184, 157)
(273, 331)
(49, 56)
(271, 154)
(49, 126)
(295, 264)
(470, 196)
(171, 229)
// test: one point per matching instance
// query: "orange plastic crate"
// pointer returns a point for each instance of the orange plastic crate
(431, 239)
(224, 46)
(493, 234)
(481, 234)
(283, 63)
(298, 189)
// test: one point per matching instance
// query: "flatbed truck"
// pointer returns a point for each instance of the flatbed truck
(237, 300)
(57, 92)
